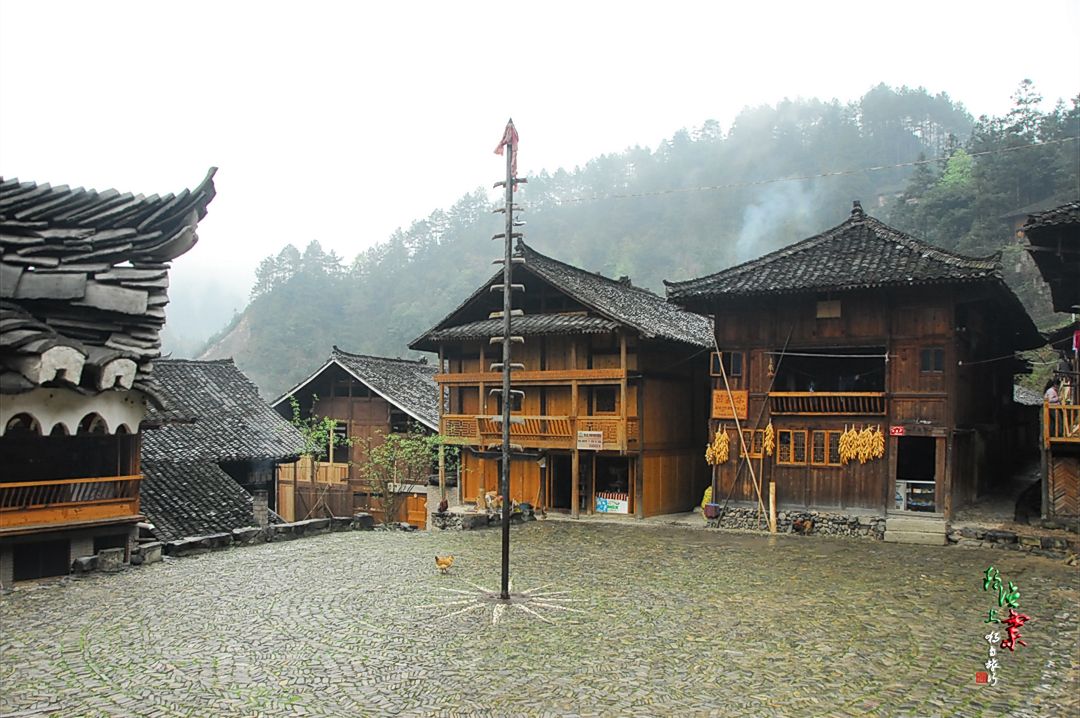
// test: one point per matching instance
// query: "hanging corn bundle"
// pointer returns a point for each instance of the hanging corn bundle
(718, 451)
(768, 443)
(863, 445)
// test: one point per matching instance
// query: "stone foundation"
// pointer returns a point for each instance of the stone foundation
(1055, 547)
(803, 521)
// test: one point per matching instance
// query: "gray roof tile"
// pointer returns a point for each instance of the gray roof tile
(214, 413)
(408, 384)
(616, 301)
(192, 498)
(859, 253)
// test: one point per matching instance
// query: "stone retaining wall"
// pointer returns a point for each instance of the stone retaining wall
(813, 522)
(1046, 546)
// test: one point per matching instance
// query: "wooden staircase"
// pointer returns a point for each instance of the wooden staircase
(916, 529)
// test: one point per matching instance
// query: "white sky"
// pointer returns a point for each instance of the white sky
(342, 121)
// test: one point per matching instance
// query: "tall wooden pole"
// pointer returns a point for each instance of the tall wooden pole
(508, 271)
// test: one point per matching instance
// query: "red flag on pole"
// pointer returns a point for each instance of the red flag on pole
(510, 137)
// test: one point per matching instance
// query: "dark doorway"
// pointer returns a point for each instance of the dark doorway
(613, 484)
(916, 469)
(42, 559)
(560, 469)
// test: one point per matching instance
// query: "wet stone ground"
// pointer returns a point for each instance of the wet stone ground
(664, 621)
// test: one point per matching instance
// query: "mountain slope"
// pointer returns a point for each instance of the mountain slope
(700, 202)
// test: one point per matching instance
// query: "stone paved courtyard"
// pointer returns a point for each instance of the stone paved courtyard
(665, 621)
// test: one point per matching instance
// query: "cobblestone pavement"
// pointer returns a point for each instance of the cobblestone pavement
(671, 622)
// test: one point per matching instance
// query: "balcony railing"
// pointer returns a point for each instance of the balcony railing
(824, 402)
(540, 432)
(32, 504)
(534, 376)
(1061, 424)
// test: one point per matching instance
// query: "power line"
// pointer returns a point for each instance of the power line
(797, 178)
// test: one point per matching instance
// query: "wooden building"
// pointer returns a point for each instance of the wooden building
(613, 414)
(209, 450)
(83, 278)
(369, 397)
(1054, 243)
(863, 326)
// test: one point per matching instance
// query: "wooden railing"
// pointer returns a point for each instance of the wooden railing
(1061, 423)
(540, 432)
(25, 504)
(546, 376)
(824, 402)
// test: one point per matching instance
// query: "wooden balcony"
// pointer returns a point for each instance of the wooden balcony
(551, 376)
(824, 403)
(32, 505)
(540, 432)
(1061, 424)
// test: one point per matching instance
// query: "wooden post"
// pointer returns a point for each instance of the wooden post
(575, 478)
(442, 472)
(639, 475)
(772, 507)
(738, 432)
(622, 389)
(590, 508)
(1044, 462)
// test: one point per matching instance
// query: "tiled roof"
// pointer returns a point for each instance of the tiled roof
(215, 414)
(530, 325)
(1068, 213)
(1054, 243)
(85, 273)
(617, 301)
(407, 384)
(860, 253)
(192, 498)
(1040, 206)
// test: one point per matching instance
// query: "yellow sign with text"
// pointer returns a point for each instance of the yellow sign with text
(724, 407)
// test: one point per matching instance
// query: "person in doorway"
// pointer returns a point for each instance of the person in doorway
(1050, 393)
(1053, 399)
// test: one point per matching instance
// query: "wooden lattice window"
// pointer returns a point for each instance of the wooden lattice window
(834, 448)
(819, 448)
(755, 440)
(791, 446)
(932, 360)
(825, 448)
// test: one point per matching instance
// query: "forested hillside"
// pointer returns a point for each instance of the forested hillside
(701, 201)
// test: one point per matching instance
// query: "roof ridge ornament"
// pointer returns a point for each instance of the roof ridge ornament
(857, 210)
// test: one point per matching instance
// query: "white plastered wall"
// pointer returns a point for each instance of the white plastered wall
(67, 408)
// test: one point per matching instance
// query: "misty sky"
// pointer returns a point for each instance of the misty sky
(342, 121)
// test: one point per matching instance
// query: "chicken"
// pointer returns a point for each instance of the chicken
(802, 526)
(443, 563)
(443, 506)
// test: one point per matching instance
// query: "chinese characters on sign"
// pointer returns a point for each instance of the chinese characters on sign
(1008, 596)
(730, 407)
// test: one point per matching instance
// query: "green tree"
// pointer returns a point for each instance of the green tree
(394, 462)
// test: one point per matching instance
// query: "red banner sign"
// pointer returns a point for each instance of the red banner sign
(897, 431)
